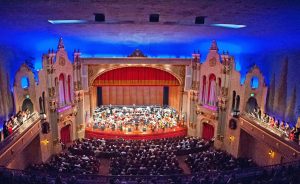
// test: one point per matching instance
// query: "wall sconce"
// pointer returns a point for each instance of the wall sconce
(45, 142)
(231, 138)
(271, 154)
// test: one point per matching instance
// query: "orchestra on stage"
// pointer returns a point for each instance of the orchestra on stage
(134, 118)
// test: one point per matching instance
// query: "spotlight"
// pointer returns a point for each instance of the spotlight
(99, 17)
(154, 18)
(200, 20)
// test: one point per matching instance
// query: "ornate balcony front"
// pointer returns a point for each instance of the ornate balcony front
(271, 137)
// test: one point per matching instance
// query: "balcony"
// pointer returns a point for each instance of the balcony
(269, 135)
(211, 112)
(19, 139)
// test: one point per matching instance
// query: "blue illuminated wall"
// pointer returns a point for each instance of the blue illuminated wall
(246, 52)
(24, 82)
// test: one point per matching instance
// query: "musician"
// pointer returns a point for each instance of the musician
(119, 117)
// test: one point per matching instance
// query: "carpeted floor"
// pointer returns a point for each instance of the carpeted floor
(183, 165)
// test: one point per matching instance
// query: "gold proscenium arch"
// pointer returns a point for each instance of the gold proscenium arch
(166, 68)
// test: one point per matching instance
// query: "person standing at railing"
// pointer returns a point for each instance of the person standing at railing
(5, 129)
(10, 127)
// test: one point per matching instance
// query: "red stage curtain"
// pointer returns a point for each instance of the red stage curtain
(128, 95)
(208, 131)
(65, 134)
(136, 76)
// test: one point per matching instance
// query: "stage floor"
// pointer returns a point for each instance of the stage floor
(135, 134)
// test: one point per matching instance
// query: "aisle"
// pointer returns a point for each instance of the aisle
(183, 165)
(104, 166)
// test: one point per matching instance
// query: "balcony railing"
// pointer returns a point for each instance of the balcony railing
(279, 132)
(27, 124)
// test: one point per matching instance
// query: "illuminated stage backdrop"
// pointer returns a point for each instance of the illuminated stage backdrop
(137, 85)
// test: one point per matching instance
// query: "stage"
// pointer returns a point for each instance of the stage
(136, 135)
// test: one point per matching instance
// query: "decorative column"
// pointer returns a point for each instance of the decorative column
(50, 80)
(227, 62)
(77, 70)
(194, 92)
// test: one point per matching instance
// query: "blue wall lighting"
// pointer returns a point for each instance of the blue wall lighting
(67, 21)
(24, 82)
(232, 26)
(254, 82)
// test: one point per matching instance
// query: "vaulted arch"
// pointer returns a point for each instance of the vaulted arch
(136, 76)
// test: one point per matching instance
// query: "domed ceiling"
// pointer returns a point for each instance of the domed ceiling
(30, 28)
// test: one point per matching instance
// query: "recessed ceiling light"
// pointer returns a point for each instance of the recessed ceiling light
(200, 20)
(99, 17)
(154, 18)
(233, 26)
(67, 21)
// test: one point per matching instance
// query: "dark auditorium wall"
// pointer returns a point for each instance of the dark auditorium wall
(271, 63)
(30, 155)
(257, 150)
(6, 98)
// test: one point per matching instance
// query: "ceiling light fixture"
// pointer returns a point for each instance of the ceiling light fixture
(99, 17)
(67, 21)
(200, 20)
(232, 26)
(154, 18)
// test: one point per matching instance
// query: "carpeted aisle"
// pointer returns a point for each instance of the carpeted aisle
(183, 165)
(104, 166)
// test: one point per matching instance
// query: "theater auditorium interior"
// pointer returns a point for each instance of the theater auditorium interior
(149, 92)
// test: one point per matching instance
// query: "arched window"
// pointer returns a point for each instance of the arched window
(41, 105)
(56, 81)
(62, 96)
(203, 89)
(219, 80)
(69, 88)
(24, 82)
(219, 89)
(251, 105)
(233, 100)
(254, 82)
(212, 96)
(27, 105)
(44, 101)
(237, 105)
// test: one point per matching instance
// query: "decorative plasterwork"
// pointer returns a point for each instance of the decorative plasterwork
(137, 53)
(177, 71)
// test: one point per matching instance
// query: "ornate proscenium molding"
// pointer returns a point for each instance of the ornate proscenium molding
(137, 53)
(177, 71)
